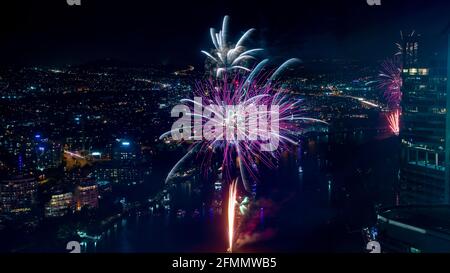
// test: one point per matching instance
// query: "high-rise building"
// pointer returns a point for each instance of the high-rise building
(117, 173)
(447, 136)
(125, 168)
(59, 205)
(127, 152)
(48, 154)
(22, 148)
(86, 194)
(32, 152)
(18, 194)
(423, 134)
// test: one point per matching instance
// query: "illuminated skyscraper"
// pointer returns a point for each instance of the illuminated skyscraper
(125, 167)
(423, 134)
(18, 194)
(127, 152)
(48, 154)
(86, 194)
(59, 205)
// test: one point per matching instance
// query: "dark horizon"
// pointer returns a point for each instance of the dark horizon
(174, 32)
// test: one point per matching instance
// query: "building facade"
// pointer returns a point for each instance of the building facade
(18, 194)
(423, 178)
(86, 195)
(59, 205)
(125, 168)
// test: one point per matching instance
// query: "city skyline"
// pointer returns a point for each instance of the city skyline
(219, 127)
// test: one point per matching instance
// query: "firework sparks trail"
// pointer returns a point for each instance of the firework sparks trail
(400, 45)
(227, 56)
(393, 119)
(390, 80)
(232, 192)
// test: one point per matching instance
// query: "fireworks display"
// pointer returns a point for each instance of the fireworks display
(241, 115)
(400, 45)
(257, 89)
(227, 56)
(240, 149)
(232, 192)
(393, 119)
(390, 80)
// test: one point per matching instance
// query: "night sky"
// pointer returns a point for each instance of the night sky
(174, 32)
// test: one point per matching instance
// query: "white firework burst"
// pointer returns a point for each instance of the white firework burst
(227, 56)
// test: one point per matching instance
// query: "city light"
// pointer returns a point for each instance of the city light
(74, 154)
(286, 127)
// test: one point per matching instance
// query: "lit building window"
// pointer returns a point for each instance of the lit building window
(413, 71)
(423, 71)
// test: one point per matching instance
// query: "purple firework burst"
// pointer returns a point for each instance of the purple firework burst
(247, 121)
(390, 81)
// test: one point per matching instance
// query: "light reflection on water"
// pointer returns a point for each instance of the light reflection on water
(163, 233)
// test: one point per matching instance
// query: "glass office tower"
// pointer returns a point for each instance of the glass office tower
(423, 178)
